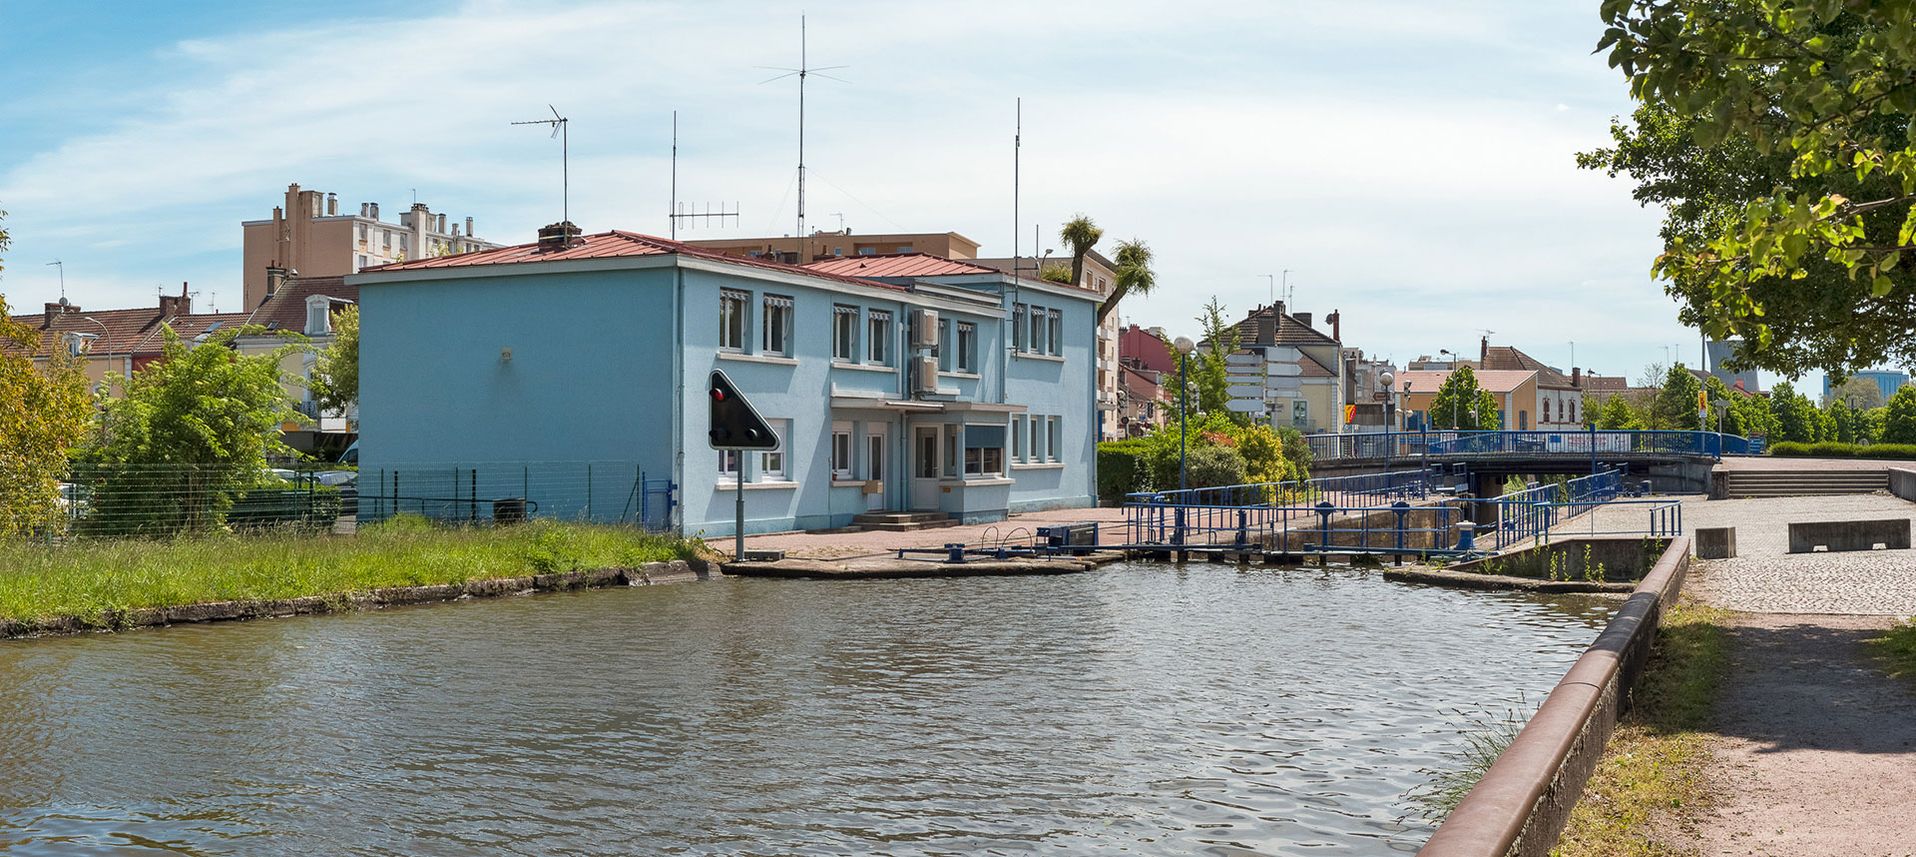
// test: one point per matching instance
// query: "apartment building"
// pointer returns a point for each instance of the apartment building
(309, 237)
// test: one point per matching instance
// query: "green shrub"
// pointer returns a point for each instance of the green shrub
(1124, 466)
(1212, 466)
(1897, 451)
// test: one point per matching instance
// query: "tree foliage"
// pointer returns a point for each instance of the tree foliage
(1081, 235)
(1797, 418)
(1777, 134)
(1860, 393)
(1615, 414)
(1675, 408)
(1055, 273)
(191, 435)
(1133, 274)
(1461, 403)
(44, 410)
(1209, 370)
(1899, 417)
(335, 379)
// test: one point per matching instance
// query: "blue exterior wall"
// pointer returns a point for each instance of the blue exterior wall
(581, 386)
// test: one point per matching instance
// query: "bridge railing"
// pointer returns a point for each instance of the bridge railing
(1229, 513)
(1401, 445)
(1532, 512)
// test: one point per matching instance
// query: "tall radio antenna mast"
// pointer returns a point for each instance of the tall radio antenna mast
(675, 213)
(62, 266)
(803, 71)
(558, 124)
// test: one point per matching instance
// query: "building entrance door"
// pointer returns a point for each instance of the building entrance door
(924, 469)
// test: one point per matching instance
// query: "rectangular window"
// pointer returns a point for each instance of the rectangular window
(362, 260)
(733, 306)
(771, 465)
(778, 326)
(878, 337)
(1037, 330)
(844, 333)
(1017, 437)
(1018, 327)
(984, 450)
(841, 450)
(386, 239)
(1057, 331)
(875, 457)
(1054, 438)
(728, 463)
(967, 347)
(951, 450)
(939, 349)
(904, 248)
(868, 251)
(928, 453)
(1037, 438)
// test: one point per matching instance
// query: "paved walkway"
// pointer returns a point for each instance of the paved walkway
(1816, 746)
(1765, 462)
(840, 545)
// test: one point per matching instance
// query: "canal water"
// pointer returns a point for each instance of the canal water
(1139, 709)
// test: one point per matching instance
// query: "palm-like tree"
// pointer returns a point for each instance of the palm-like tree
(1082, 235)
(1134, 274)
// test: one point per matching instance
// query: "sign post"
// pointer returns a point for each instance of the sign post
(736, 427)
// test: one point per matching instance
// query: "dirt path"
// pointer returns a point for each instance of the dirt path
(1818, 747)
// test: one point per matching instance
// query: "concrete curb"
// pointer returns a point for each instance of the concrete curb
(1473, 580)
(674, 571)
(890, 567)
(1522, 803)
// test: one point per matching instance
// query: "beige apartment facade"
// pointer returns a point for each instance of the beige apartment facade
(309, 237)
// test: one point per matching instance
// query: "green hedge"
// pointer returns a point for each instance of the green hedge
(1791, 448)
(1123, 467)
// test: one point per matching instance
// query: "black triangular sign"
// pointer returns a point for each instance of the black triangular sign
(735, 424)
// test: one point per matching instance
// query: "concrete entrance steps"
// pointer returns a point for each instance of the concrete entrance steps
(1805, 483)
(902, 522)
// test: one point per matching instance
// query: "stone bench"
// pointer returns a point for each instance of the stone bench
(1892, 533)
(1715, 542)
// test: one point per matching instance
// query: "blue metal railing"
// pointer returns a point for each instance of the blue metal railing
(1530, 513)
(1270, 512)
(1401, 445)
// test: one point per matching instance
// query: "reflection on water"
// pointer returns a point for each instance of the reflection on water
(1139, 710)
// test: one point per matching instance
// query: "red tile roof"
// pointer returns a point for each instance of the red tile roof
(286, 309)
(898, 265)
(611, 245)
(1508, 357)
(120, 331)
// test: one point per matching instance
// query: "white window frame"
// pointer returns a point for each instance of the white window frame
(1037, 437)
(728, 463)
(1055, 330)
(1018, 340)
(319, 321)
(983, 469)
(1054, 437)
(875, 442)
(1037, 339)
(842, 451)
(845, 333)
(966, 345)
(776, 326)
(773, 466)
(878, 337)
(1018, 437)
(735, 311)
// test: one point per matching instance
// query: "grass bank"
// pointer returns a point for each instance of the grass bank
(1897, 648)
(91, 579)
(1651, 771)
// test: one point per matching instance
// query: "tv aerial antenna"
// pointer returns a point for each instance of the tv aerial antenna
(676, 212)
(62, 266)
(803, 71)
(559, 124)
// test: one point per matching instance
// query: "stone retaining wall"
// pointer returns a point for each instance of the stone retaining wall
(1902, 482)
(675, 571)
(1520, 806)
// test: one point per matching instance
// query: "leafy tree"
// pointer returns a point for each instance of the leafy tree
(1209, 371)
(1870, 425)
(1055, 273)
(1080, 234)
(1675, 407)
(1778, 134)
(1616, 414)
(1461, 400)
(1212, 465)
(1264, 455)
(1859, 393)
(1134, 274)
(1899, 417)
(43, 411)
(335, 380)
(190, 436)
(1796, 418)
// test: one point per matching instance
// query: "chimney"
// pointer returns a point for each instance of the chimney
(375, 210)
(275, 280)
(468, 227)
(1267, 329)
(363, 209)
(1336, 318)
(1303, 318)
(58, 308)
(332, 204)
(1576, 377)
(1483, 352)
(557, 236)
(175, 305)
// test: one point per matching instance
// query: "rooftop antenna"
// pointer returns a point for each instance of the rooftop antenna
(674, 214)
(841, 220)
(803, 71)
(63, 279)
(558, 124)
(1272, 280)
(1017, 154)
(1286, 290)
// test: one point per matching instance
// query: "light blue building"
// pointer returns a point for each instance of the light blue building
(1887, 380)
(896, 383)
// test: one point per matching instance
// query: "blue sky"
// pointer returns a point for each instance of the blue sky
(1410, 163)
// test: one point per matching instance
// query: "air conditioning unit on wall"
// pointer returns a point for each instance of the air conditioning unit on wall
(925, 329)
(924, 376)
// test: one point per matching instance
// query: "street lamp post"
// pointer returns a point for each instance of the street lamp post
(1183, 346)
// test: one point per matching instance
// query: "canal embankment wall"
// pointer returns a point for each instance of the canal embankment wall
(674, 571)
(1520, 806)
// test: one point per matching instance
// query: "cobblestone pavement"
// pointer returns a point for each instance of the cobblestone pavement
(1765, 578)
